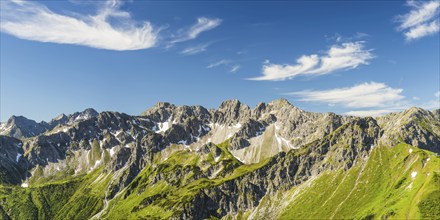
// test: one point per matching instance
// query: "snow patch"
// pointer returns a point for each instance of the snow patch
(144, 119)
(163, 127)
(216, 159)
(206, 128)
(182, 142)
(97, 163)
(238, 125)
(414, 174)
(18, 157)
(112, 151)
(24, 185)
(410, 150)
(260, 131)
(282, 141)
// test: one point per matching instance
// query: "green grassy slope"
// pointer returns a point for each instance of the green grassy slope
(74, 198)
(398, 183)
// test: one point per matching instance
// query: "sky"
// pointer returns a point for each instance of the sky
(363, 58)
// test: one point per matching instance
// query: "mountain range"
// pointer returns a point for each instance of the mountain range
(274, 161)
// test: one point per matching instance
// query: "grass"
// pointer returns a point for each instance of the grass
(381, 188)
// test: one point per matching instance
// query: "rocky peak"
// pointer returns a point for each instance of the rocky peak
(232, 112)
(90, 112)
(60, 117)
(20, 126)
(282, 102)
(59, 120)
(84, 115)
(160, 112)
(20, 121)
(230, 104)
(259, 110)
(414, 126)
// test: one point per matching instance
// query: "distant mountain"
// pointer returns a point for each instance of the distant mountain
(274, 161)
(21, 127)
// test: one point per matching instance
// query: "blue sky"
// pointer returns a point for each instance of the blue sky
(356, 58)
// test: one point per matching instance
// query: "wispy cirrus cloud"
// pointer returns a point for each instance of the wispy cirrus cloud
(371, 113)
(234, 68)
(370, 94)
(421, 21)
(345, 56)
(34, 21)
(195, 49)
(231, 67)
(203, 24)
(218, 63)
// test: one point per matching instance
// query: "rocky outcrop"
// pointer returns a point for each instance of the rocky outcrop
(13, 164)
(414, 126)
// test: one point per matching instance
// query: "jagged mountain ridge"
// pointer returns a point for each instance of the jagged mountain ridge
(21, 127)
(227, 149)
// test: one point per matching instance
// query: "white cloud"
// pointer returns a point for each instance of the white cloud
(234, 68)
(218, 63)
(346, 56)
(195, 50)
(364, 95)
(34, 21)
(431, 104)
(437, 94)
(372, 113)
(421, 12)
(203, 24)
(421, 21)
(423, 30)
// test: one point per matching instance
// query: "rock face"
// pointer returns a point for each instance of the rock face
(414, 126)
(190, 162)
(12, 163)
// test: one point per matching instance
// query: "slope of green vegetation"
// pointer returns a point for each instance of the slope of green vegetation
(396, 183)
(74, 198)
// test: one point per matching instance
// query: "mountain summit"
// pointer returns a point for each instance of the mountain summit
(274, 161)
